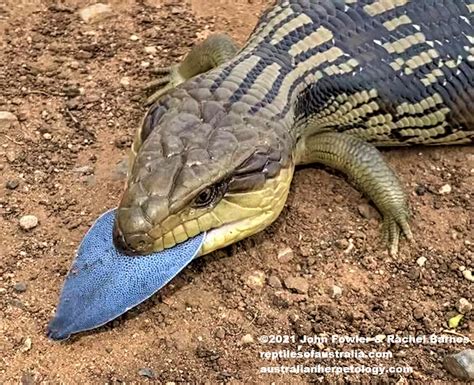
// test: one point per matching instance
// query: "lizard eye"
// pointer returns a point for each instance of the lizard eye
(210, 195)
(206, 197)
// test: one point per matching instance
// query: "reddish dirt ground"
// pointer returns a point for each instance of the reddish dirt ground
(75, 89)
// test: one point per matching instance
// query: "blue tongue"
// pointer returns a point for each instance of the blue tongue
(104, 283)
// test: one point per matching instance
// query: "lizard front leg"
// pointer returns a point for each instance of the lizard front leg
(365, 166)
(212, 52)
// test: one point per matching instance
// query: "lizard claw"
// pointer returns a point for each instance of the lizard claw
(392, 227)
(169, 79)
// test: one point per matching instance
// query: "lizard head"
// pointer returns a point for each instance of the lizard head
(199, 167)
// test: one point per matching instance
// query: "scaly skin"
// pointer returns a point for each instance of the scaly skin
(318, 81)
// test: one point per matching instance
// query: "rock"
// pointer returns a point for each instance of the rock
(274, 282)
(468, 275)
(298, 284)
(445, 189)
(7, 120)
(336, 291)
(285, 255)
(86, 170)
(418, 313)
(177, 10)
(247, 339)
(96, 12)
(28, 222)
(125, 81)
(281, 300)
(461, 365)
(74, 104)
(151, 50)
(123, 141)
(12, 184)
(134, 38)
(366, 211)
(71, 91)
(421, 261)
(47, 136)
(342, 244)
(420, 190)
(27, 379)
(19, 287)
(11, 156)
(256, 279)
(220, 333)
(26, 345)
(463, 306)
(147, 372)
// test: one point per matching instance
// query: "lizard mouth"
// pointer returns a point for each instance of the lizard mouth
(238, 215)
(235, 217)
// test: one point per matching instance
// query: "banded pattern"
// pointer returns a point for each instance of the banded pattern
(320, 59)
(389, 72)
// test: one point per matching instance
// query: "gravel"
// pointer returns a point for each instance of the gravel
(20, 287)
(28, 222)
(95, 13)
(298, 284)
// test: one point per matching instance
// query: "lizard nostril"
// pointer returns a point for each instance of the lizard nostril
(134, 244)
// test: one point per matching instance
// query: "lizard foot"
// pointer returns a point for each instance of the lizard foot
(392, 227)
(169, 78)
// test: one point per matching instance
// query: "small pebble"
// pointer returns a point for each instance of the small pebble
(285, 255)
(461, 365)
(47, 136)
(86, 170)
(418, 313)
(274, 282)
(220, 333)
(298, 284)
(445, 189)
(468, 275)
(74, 64)
(134, 38)
(125, 81)
(7, 120)
(247, 339)
(28, 222)
(421, 261)
(147, 372)
(26, 345)
(11, 156)
(342, 244)
(420, 190)
(336, 291)
(256, 279)
(366, 211)
(151, 50)
(463, 306)
(95, 13)
(19, 287)
(12, 184)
